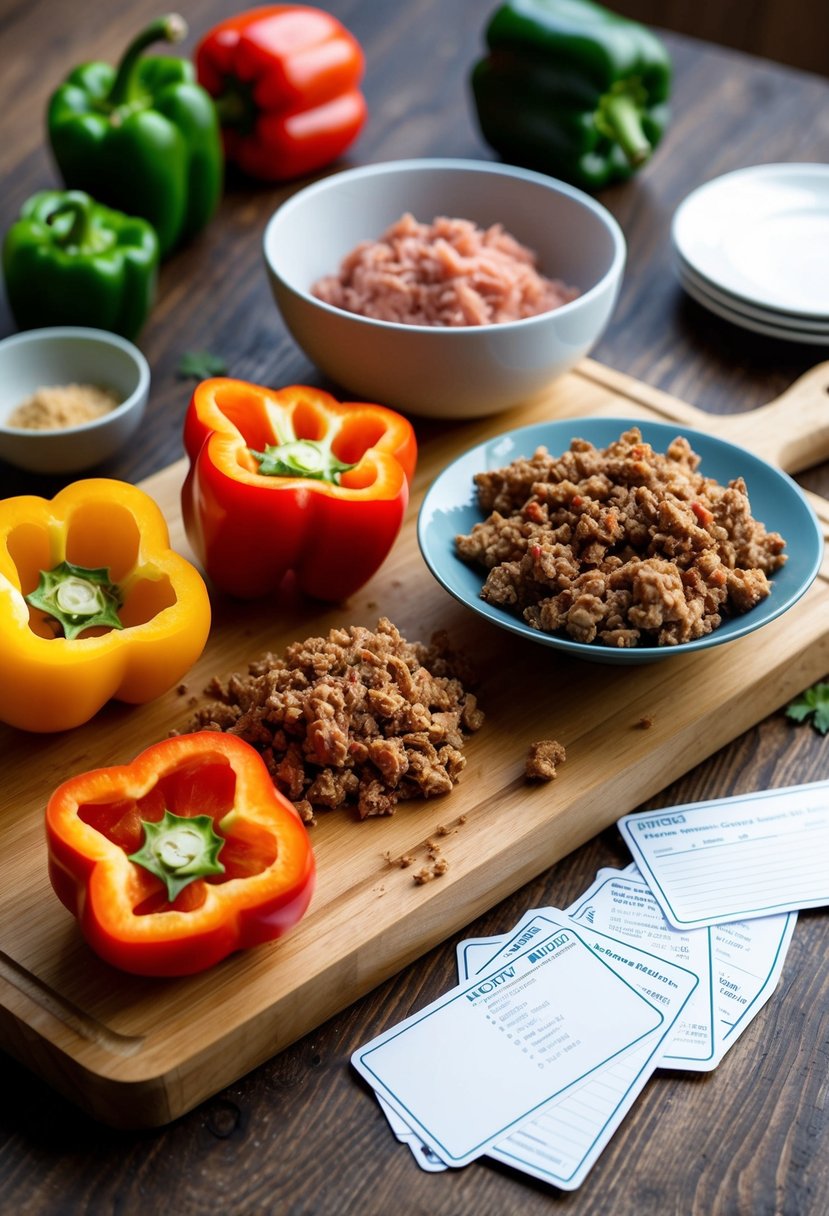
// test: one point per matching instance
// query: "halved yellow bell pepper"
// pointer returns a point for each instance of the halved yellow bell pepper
(94, 604)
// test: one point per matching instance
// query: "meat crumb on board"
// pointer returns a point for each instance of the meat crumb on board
(358, 718)
(543, 759)
(427, 873)
(439, 865)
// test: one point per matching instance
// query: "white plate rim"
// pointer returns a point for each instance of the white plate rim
(767, 315)
(701, 196)
(758, 327)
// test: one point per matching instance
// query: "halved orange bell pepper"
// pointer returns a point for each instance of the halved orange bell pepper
(293, 480)
(94, 604)
(174, 861)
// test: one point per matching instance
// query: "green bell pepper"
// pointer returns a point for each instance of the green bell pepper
(143, 138)
(571, 89)
(70, 261)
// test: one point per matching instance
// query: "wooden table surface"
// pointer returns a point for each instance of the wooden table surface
(300, 1135)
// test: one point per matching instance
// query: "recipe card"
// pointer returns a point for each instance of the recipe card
(623, 905)
(467, 1069)
(735, 858)
(562, 1142)
(748, 960)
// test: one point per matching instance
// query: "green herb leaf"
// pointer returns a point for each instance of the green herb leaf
(814, 703)
(178, 849)
(200, 365)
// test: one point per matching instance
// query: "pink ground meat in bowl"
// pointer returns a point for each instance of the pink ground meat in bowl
(447, 273)
(459, 326)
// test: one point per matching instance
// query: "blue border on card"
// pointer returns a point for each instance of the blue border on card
(476, 1149)
(712, 1017)
(647, 1066)
(736, 799)
(783, 943)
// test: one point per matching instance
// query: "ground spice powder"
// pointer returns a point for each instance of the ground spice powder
(55, 407)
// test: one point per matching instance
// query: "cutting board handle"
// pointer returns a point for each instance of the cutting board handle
(793, 430)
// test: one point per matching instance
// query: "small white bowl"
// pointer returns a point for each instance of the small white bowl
(444, 372)
(62, 355)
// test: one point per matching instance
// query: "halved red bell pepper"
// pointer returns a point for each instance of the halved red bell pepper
(172, 862)
(292, 480)
(285, 80)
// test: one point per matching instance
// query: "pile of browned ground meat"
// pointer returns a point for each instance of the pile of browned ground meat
(358, 717)
(449, 272)
(622, 546)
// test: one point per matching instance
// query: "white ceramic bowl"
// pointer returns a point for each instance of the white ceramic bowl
(448, 372)
(63, 355)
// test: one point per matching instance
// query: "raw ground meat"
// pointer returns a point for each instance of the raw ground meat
(356, 718)
(622, 546)
(449, 272)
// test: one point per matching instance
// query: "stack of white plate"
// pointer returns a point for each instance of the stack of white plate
(753, 247)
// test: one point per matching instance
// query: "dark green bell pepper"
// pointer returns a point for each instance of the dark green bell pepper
(143, 138)
(71, 261)
(571, 89)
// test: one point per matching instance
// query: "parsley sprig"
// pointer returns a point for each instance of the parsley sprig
(814, 703)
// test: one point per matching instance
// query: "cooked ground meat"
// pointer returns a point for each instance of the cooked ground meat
(356, 718)
(542, 760)
(622, 546)
(449, 272)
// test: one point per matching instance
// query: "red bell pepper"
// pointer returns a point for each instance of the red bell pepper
(285, 79)
(172, 862)
(292, 480)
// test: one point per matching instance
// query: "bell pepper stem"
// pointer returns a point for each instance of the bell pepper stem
(79, 207)
(301, 458)
(77, 598)
(234, 109)
(621, 118)
(178, 849)
(171, 28)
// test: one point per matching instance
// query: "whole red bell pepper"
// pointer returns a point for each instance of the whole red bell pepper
(285, 80)
(172, 862)
(292, 480)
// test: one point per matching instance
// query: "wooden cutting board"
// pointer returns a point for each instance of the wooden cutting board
(139, 1052)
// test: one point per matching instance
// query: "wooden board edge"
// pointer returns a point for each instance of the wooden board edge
(133, 1093)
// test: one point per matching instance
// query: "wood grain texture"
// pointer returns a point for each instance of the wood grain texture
(795, 32)
(299, 1135)
(141, 1053)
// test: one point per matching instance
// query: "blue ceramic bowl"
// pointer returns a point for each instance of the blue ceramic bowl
(450, 508)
